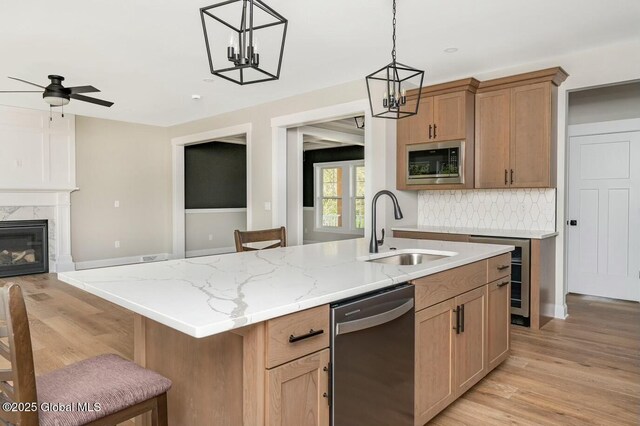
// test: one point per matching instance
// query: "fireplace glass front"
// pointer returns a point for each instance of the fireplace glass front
(23, 247)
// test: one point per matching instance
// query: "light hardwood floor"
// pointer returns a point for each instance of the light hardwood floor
(580, 371)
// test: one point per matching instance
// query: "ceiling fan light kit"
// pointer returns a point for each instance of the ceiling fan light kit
(388, 86)
(236, 32)
(56, 95)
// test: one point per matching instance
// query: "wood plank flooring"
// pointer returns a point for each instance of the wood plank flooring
(581, 371)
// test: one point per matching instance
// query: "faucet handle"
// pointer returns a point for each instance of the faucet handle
(381, 241)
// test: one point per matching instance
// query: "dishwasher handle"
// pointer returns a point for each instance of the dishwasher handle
(374, 320)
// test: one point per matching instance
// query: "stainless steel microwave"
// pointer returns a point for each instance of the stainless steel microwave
(435, 163)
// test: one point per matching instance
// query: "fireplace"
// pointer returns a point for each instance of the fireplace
(23, 247)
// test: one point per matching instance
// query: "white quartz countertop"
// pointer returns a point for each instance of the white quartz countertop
(212, 294)
(485, 232)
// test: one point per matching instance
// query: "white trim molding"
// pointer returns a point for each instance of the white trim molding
(604, 127)
(210, 251)
(214, 211)
(178, 144)
(279, 126)
(118, 261)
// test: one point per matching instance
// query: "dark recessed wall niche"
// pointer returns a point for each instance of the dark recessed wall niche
(347, 153)
(215, 176)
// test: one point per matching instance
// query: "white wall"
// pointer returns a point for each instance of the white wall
(129, 163)
(617, 102)
(210, 231)
(36, 153)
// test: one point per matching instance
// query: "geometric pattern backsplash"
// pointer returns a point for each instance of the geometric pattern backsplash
(512, 209)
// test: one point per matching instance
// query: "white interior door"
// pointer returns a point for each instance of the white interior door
(604, 200)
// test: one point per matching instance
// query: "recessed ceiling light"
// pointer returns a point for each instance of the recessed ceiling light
(208, 80)
(451, 50)
(195, 97)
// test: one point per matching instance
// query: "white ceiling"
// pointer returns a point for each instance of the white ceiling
(149, 57)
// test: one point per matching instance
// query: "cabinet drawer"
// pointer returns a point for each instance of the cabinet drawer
(499, 266)
(296, 335)
(445, 285)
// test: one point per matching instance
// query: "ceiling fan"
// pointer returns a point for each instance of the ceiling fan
(55, 94)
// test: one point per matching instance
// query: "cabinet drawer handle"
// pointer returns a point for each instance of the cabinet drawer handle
(311, 333)
(429, 131)
(511, 176)
(502, 284)
(506, 177)
(503, 267)
(434, 131)
(457, 327)
(462, 319)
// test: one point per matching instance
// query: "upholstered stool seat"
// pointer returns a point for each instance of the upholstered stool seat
(102, 391)
(108, 380)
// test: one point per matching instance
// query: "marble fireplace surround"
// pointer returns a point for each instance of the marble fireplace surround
(51, 205)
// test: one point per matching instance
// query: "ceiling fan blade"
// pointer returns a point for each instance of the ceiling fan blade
(91, 100)
(20, 91)
(82, 89)
(28, 82)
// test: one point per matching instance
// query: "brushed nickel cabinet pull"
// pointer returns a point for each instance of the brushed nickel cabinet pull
(502, 284)
(503, 267)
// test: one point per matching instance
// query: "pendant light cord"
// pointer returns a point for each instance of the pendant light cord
(393, 51)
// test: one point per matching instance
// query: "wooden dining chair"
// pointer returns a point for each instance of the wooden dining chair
(104, 390)
(246, 237)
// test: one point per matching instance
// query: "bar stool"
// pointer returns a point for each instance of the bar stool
(245, 237)
(100, 391)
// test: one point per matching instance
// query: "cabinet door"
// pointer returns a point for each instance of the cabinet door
(449, 116)
(499, 321)
(492, 139)
(419, 123)
(297, 392)
(434, 369)
(531, 135)
(471, 342)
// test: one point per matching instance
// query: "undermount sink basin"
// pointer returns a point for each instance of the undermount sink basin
(409, 257)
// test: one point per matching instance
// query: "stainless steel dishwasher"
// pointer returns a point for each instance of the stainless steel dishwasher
(372, 359)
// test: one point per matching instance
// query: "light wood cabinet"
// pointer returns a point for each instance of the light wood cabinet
(471, 339)
(515, 130)
(297, 392)
(435, 368)
(445, 113)
(461, 339)
(499, 319)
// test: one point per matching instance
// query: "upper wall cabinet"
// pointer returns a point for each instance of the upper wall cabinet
(445, 113)
(515, 130)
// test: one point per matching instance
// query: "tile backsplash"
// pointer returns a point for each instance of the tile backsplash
(512, 209)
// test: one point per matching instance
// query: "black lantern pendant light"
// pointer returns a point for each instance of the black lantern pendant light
(388, 86)
(240, 60)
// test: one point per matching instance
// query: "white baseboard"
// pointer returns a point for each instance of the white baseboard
(554, 311)
(210, 251)
(117, 261)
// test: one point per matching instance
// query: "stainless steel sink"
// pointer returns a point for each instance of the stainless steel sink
(408, 258)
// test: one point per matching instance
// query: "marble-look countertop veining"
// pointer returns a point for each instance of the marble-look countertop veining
(212, 294)
(485, 232)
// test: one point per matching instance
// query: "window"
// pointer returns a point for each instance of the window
(339, 196)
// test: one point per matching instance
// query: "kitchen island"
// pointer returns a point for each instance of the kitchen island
(218, 326)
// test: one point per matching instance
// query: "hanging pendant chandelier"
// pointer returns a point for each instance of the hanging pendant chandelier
(390, 86)
(251, 28)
